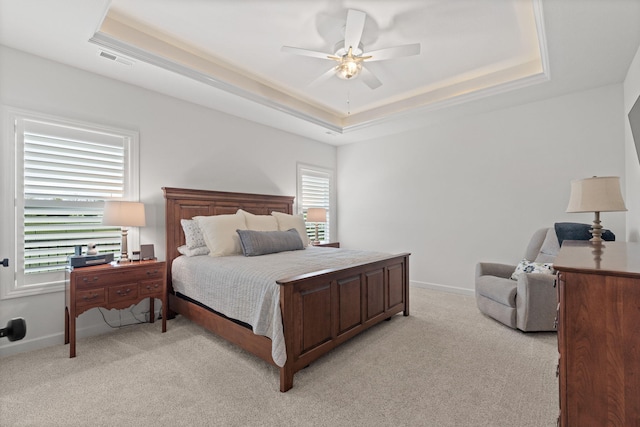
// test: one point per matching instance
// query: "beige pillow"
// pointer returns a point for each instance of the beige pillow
(287, 222)
(220, 234)
(259, 222)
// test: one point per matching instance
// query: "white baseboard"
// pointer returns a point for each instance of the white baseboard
(443, 288)
(11, 348)
(24, 345)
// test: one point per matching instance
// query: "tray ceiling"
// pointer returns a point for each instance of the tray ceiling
(468, 47)
(476, 55)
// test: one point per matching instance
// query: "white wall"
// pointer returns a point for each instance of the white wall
(452, 194)
(181, 145)
(476, 188)
(632, 198)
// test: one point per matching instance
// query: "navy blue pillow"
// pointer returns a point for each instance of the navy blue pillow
(576, 231)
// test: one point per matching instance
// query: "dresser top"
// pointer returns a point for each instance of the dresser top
(617, 258)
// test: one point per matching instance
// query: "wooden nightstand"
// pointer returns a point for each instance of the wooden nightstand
(327, 244)
(112, 286)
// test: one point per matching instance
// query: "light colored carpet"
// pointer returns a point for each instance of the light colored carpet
(445, 365)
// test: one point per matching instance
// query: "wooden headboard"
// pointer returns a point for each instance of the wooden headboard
(182, 203)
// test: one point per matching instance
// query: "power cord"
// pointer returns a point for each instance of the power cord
(137, 322)
(120, 318)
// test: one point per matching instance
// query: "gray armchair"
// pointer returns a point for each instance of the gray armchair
(529, 303)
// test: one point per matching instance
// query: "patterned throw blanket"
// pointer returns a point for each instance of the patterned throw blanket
(245, 288)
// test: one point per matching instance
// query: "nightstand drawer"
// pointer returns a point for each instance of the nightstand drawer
(152, 273)
(151, 287)
(138, 273)
(90, 297)
(88, 280)
(123, 292)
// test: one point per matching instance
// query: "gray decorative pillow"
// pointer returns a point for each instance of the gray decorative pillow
(192, 234)
(268, 242)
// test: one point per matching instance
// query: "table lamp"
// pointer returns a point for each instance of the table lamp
(316, 215)
(123, 214)
(597, 194)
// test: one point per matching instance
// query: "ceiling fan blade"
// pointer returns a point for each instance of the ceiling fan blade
(305, 52)
(370, 79)
(323, 77)
(394, 52)
(353, 28)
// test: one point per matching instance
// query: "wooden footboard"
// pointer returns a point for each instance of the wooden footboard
(320, 310)
(323, 309)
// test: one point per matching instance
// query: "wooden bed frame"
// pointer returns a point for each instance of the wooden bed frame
(320, 310)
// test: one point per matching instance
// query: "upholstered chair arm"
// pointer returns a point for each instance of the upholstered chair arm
(494, 269)
(536, 302)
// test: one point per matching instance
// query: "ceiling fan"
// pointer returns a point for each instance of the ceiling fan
(349, 54)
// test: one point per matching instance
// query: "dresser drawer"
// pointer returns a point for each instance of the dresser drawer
(151, 287)
(90, 297)
(123, 292)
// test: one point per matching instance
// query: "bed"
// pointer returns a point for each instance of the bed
(319, 310)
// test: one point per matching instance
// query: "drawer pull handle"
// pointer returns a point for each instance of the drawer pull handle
(86, 279)
(122, 293)
(90, 297)
(151, 273)
(149, 287)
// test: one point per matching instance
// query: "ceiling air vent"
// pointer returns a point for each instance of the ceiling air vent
(116, 58)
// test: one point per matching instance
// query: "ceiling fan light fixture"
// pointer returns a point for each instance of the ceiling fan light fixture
(349, 53)
(348, 68)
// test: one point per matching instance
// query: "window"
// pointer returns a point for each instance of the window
(64, 171)
(315, 190)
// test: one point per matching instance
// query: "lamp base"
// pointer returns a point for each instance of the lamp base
(596, 230)
(124, 257)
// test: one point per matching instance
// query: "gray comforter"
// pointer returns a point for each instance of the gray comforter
(245, 288)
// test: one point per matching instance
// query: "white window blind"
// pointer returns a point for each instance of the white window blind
(68, 173)
(315, 190)
(64, 172)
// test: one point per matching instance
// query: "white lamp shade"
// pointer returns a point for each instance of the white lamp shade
(316, 215)
(597, 194)
(123, 214)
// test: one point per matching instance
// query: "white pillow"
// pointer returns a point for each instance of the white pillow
(220, 235)
(532, 267)
(287, 222)
(259, 222)
(202, 250)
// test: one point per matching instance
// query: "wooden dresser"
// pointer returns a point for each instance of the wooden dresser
(599, 334)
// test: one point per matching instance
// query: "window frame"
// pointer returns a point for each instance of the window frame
(14, 282)
(331, 207)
